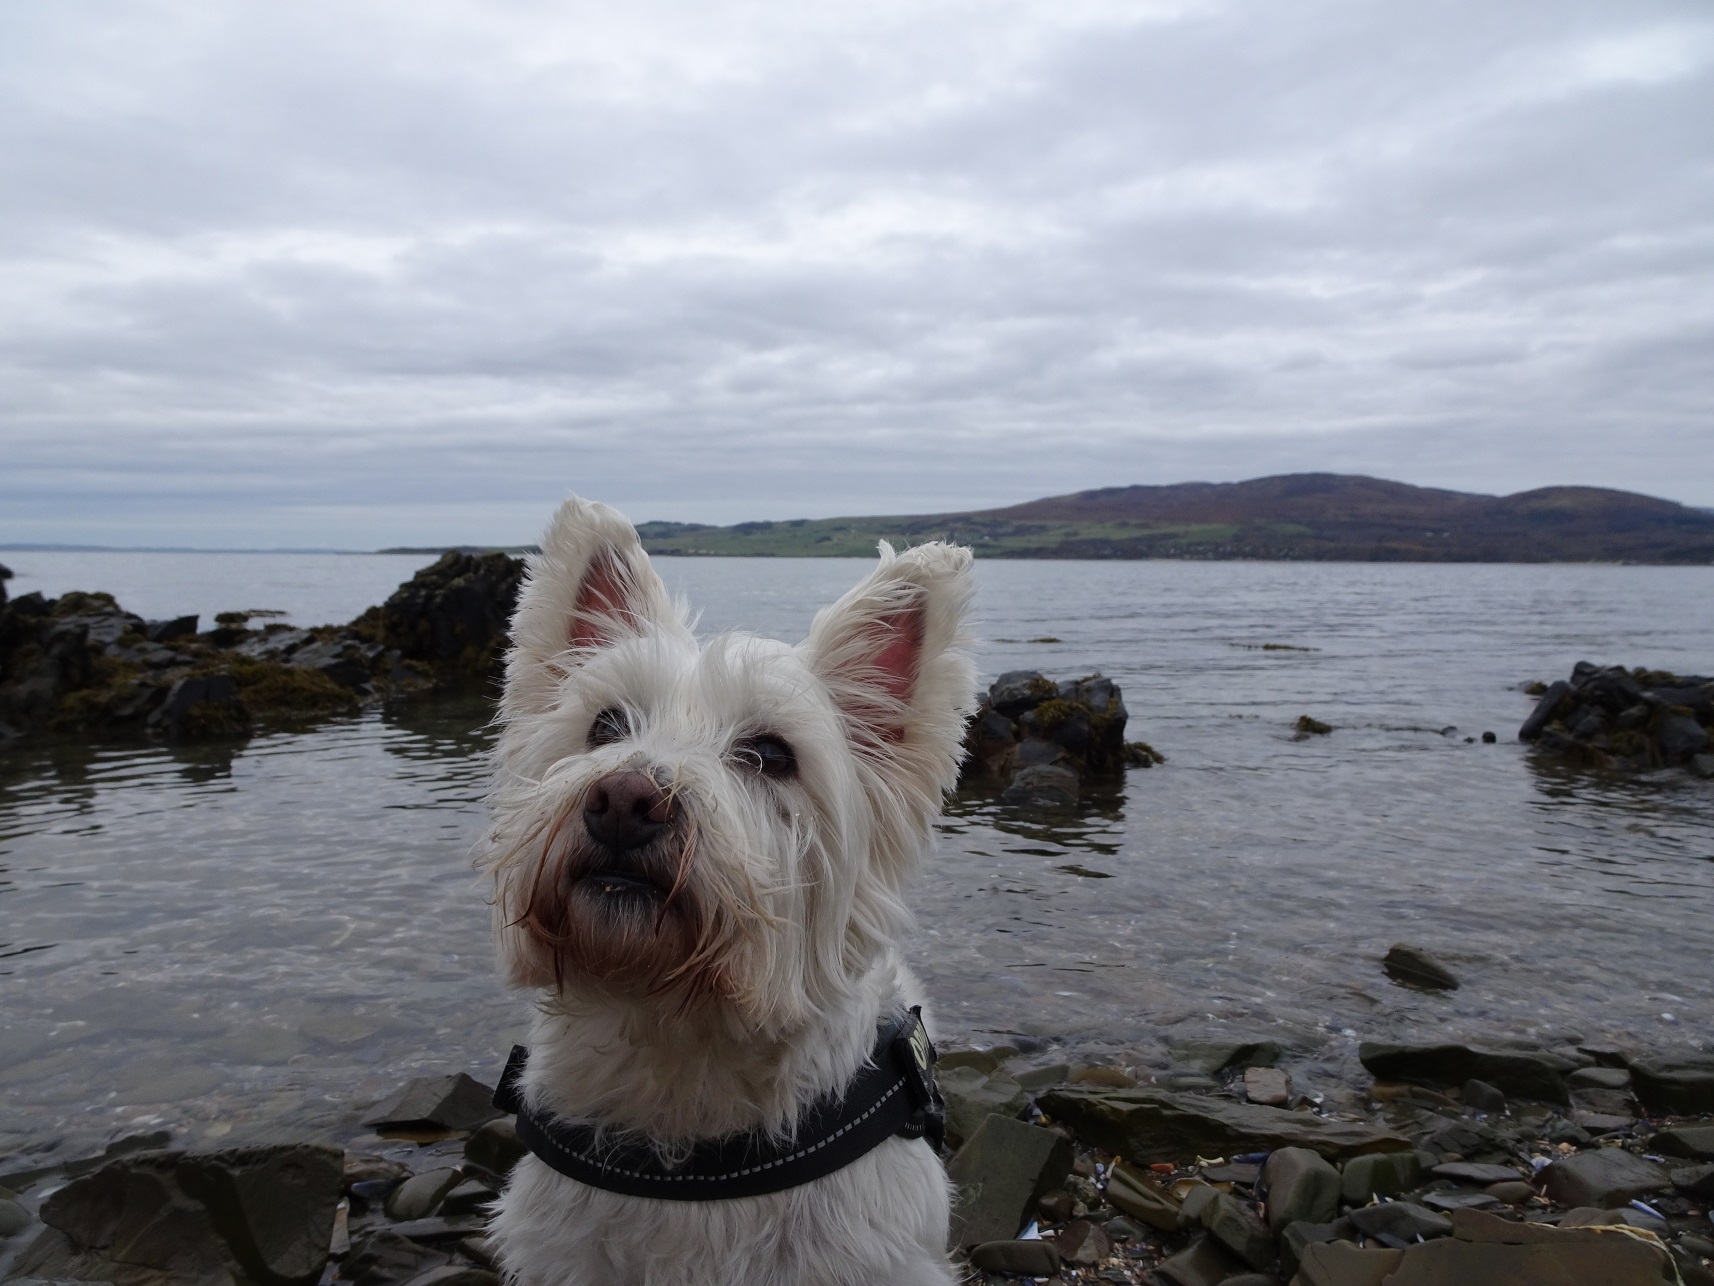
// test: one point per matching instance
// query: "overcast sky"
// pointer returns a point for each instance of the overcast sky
(359, 274)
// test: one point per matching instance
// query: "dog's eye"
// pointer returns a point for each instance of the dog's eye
(610, 725)
(769, 755)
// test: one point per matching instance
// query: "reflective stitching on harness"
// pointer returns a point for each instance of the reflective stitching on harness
(588, 1159)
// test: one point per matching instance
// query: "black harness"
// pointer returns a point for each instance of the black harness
(893, 1093)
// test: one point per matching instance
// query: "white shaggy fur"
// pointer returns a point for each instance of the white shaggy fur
(754, 979)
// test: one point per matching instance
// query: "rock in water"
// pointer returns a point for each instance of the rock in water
(1150, 1124)
(1045, 739)
(1414, 967)
(436, 1103)
(453, 615)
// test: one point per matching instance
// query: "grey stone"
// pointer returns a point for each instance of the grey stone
(1018, 1258)
(1143, 1199)
(1399, 1223)
(1083, 1243)
(1692, 1142)
(1472, 1172)
(1514, 1192)
(456, 1275)
(1485, 1250)
(1605, 1177)
(1016, 691)
(1000, 1173)
(1624, 1217)
(1267, 1085)
(438, 1228)
(495, 1148)
(1211, 1057)
(1678, 1086)
(1301, 1188)
(167, 631)
(1483, 1096)
(1606, 1078)
(1147, 1124)
(1680, 736)
(384, 1255)
(1702, 765)
(420, 1196)
(13, 1218)
(1339, 1263)
(1042, 786)
(1236, 1227)
(1696, 1180)
(1414, 967)
(1384, 1174)
(1297, 1237)
(1543, 713)
(471, 1197)
(1451, 1201)
(970, 1097)
(1041, 1077)
(1202, 1263)
(448, 1103)
(1034, 751)
(1519, 1074)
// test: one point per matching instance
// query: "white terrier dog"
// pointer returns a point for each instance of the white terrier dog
(699, 855)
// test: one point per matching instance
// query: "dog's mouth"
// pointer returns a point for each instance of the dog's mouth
(622, 884)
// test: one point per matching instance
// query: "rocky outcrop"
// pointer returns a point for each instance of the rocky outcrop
(1633, 719)
(1043, 741)
(81, 663)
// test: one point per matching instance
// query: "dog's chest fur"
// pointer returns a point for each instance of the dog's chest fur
(699, 854)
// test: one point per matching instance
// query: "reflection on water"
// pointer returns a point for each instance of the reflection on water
(271, 934)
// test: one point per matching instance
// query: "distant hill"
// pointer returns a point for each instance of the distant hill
(1300, 515)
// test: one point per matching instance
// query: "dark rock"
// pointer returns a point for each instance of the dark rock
(1146, 1124)
(1544, 710)
(1016, 1258)
(1267, 1086)
(1450, 1202)
(1680, 1086)
(1301, 1188)
(1680, 737)
(971, 1096)
(495, 1148)
(453, 615)
(1522, 1075)
(1483, 1096)
(384, 1256)
(1489, 739)
(456, 1275)
(471, 1197)
(258, 1215)
(1399, 1223)
(1511, 1192)
(1339, 1263)
(449, 1103)
(1215, 1056)
(1695, 1181)
(1236, 1227)
(420, 1196)
(1485, 1250)
(1016, 691)
(1608, 1078)
(1605, 1177)
(1042, 786)
(439, 1228)
(202, 708)
(1202, 1263)
(1083, 1243)
(1693, 1142)
(1033, 751)
(13, 1217)
(1471, 1172)
(1297, 1237)
(1000, 1173)
(1414, 967)
(1383, 1174)
(1308, 727)
(180, 627)
(1702, 765)
(1142, 1198)
(1468, 1139)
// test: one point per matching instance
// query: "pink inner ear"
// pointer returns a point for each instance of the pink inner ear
(603, 602)
(896, 663)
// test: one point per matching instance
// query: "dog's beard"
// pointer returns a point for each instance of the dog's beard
(637, 921)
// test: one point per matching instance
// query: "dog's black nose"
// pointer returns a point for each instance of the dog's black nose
(626, 810)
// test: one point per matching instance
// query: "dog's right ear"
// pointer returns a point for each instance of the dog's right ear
(590, 587)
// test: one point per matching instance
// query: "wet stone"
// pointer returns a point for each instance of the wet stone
(1606, 1177)
(1693, 1142)
(1236, 1227)
(1267, 1085)
(1021, 1258)
(421, 1195)
(1301, 1188)
(1083, 1243)
(495, 1148)
(1415, 967)
(456, 1275)
(1399, 1223)
(450, 1103)
(1483, 1096)
(1384, 1174)
(1472, 1172)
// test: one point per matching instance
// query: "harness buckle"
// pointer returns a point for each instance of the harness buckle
(914, 1054)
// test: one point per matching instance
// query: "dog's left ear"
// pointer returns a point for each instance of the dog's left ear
(591, 586)
(894, 656)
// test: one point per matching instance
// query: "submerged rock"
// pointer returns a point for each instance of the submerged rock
(1414, 967)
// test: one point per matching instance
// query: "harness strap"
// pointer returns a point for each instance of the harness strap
(892, 1094)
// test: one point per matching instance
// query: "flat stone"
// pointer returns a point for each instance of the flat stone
(1485, 1250)
(1195, 1199)
(1384, 1174)
(1039, 1078)
(421, 1194)
(13, 1218)
(1514, 1192)
(1301, 1188)
(1696, 1180)
(983, 1060)
(1483, 1096)
(1113, 1078)
(1235, 1226)
(1448, 1202)
(1625, 1217)
(1472, 1172)
(441, 1227)
(456, 1275)
(472, 1197)
(1604, 1078)
(1148, 1124)
(450, 1103)
(1267, 1085)
(1202, 1263)
(1143, 1199)
(1021, 1258)
(1522, 1075)
(1605, 1177)
(970, 1096)
(1083, 1243)
(1681, 1087)
(495, 1148)
(1000, 1174)
(1399, 1223)
(1602, 1122)
(1414, 967)
(1693, 1142)
(384, 1255)
(1297, 1237)
(1339, 1263)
